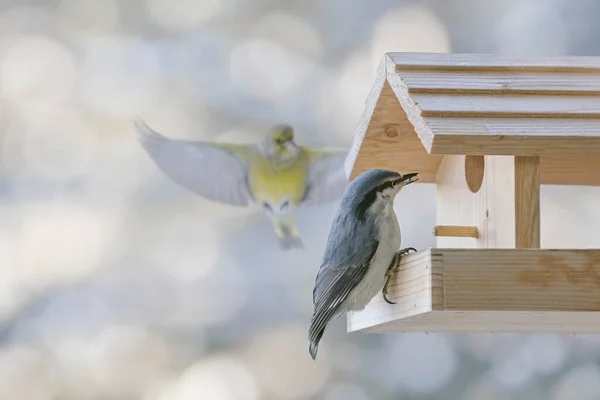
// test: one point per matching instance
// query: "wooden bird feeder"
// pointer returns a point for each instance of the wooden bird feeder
(487, 130)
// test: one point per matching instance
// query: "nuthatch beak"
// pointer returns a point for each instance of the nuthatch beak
(407, 179)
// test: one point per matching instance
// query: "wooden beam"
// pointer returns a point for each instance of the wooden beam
(489, 105)
(570, 170)
(526, 82)
(489, 290)
(504, 62)
(503, 145)
(456, 231)
(527, 202)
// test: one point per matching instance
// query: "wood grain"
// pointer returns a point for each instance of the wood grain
(515, 136)
(504, 104)
(379, 146)
(515, 146)
(491, 209)
(474, 172)
(519, 82)
(365, 120)
(498, 222)
(454, 201)
(527, 202)
(385, 138)
(456, 231)
(490, 290)
(570, 170)
(561, 322)
(423, 106)
(480, 126)
(517, 63)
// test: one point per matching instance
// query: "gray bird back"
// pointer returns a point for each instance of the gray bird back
(353, 229)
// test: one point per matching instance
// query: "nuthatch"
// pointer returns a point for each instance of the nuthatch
(362, 249)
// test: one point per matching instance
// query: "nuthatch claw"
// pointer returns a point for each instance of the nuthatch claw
(388, 275)
(393, 265)
(385, 291)
(406, 251)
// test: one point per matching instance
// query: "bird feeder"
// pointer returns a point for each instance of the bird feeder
(488, 130)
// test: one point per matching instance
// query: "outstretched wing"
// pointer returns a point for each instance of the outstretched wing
(326, 180)
(214, 171)
(332, 286)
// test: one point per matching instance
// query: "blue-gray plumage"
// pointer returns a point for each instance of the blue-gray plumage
(363, 242)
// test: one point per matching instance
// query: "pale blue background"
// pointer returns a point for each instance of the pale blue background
(116, 284)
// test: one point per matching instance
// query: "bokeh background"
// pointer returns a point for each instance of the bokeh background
(116, 284)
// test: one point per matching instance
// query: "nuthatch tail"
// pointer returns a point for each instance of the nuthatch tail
(362, 249)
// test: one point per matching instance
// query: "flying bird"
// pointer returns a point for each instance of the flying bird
(276, 174)
(362, 249)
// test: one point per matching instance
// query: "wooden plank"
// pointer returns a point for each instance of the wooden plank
(409, 106)
(454, 202)
(494, 206)
(527, 202)
(386, 139)
(493, 61)
(491, 126)
(506, 104)
(561, 322)
(516, 145)
(364, 122)
(521, 279)
(570, 170)
(421, 291)
(456, 231)
(390, 143)
(492, 290)
(428, 81)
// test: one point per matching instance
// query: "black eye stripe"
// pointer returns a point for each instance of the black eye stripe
(389, 184)
(368, 199)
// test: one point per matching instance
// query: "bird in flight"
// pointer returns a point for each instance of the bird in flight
(276, 173)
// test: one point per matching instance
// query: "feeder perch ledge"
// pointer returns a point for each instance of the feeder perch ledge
(488, 130)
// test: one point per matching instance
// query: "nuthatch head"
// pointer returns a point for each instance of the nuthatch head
(363, 242)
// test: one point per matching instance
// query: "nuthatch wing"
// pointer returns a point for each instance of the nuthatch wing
(362, 249)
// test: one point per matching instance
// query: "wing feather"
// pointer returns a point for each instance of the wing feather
(192, 164)
(326, 176)
(332, 286)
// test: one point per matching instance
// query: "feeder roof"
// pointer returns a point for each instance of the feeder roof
(423, 106)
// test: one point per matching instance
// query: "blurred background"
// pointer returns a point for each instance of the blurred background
(118, 284)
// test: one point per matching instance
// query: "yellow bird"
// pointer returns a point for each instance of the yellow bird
(275, 173)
